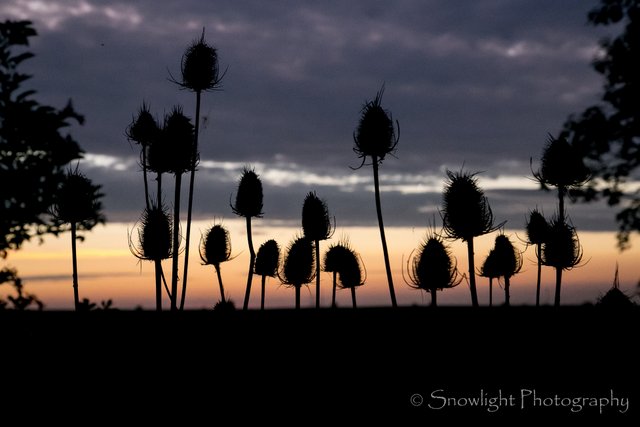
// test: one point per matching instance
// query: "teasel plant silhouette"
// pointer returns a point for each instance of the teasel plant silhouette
(215, 248)
(561, 250)
(489, 269)
(178, 143)
(466, 214)
(77, 203)
(508, 262)
(561, 166)
(155, 235)
(248, 204)
(267, 264)
(144, 131)
(200, 73)
(346, 265)
(298, 268)
(433, 268)
(537, 230)
(376, 137)
(316, 226)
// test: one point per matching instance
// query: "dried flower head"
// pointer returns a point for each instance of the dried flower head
(178, 135)
(561, 165)
(508, 260)
(433, 268)
(562, 248)
(78, 201)
(154, 235)
(268, 259)
(144, 129)
(216, 246)
(249, 195)
(298, 268)
(375, 135)
(200, 71)
(316, 222)
(537, 228)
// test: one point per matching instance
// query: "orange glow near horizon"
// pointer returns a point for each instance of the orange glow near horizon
(108, 270)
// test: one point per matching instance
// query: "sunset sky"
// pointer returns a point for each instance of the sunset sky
(475, 85)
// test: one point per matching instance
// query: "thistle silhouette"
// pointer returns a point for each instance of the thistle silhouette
(249, 204)
(178, 153)
(341, 260)
(537, 230)
(77, 203)
(376, 137)
(433, 268)
(561, 250)
(154, 243)
(267, 264)
(298, 268)
(561, 167)
(316, 226)
(215, 249)
(466, 214)
(200, 73)
(508, 262)
(490, 270)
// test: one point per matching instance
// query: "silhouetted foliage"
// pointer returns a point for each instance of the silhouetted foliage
(298, 268)
(33, 150)
(216, 249)
(537, 230)
(316, 226)
(22, 300)
(249, 204)
(154, 235)
(144, 130)
(608, 134)
(178, 135)
(267, 264)
(433, 268)
(561, 165)
(375, 136)
(466, 214)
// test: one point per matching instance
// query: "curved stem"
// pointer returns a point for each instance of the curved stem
(252, 258)
(217, 267)
(192, 179)
(472, 273)
(385, 252)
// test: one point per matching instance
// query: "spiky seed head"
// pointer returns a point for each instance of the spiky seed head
(154, 235)
(178, 133)
(562, 248)
(490, 267)
(433, 268)
(200, 70)
(375, 135)
(299, 263)
(249, 195)
(144, 129)
(334, 258)
(268, 259)
(316, 222)
(561, 165)
(508, 259)
(537, 228)
(224, 306)
(216, 246)
(350, 273)
(78, 201)
(466, 210)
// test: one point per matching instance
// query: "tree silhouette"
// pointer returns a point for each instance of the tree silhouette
(249, 204)
(561, 250)
(376, 137)
(154, 243)
(77, 203)
(298, 268)
(433, 268)
(178, 141)
(34, 150)
(607, 135)
(267, 264)
(537, 230)
(466, 214)
(508, 262)
(316, 226)
(200, 73)
(216, 249)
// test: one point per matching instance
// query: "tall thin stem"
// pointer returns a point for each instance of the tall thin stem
(252, 258)
(217, 267)
(176, 243)
(264, 281)
(539, 256)
(190, 205)
(472, 273)
(158, 265)
(434, 298)
(144, 177)
(353, 296)
(74, 261)
(317, 245)
(385, 252)
(558, 282)
(333, 293)
(297, 296)
(506, 290)
(561, 220)
(490, 291)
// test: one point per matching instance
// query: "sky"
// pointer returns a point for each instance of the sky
(474, 85)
